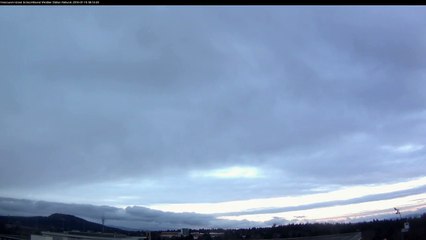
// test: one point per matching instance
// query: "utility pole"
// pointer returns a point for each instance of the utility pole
(103, 223)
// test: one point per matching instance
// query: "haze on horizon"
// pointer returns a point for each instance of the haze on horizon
(200, 117)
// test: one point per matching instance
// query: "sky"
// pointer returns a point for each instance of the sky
(201, 117)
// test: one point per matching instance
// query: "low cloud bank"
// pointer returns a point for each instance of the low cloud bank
(131, 217)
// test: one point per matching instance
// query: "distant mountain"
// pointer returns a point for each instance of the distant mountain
(54, 222)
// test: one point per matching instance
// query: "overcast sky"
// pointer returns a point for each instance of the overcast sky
(212, 116)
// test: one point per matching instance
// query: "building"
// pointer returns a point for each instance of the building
(184, 232)
(216, 234)
(83, 236)
(196, 235)
(168, 235)
(11, 237)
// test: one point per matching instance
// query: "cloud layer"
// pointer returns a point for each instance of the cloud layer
(121, 106)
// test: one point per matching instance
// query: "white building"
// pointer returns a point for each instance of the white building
(82, 236)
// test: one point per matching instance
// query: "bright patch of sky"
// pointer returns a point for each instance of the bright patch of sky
(407, 148)
(343, 212)
(231, 172)
(256, 204)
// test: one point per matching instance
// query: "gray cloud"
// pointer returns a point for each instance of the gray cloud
(90, 97)
(131, 217)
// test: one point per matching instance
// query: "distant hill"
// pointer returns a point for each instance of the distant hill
(54, 222)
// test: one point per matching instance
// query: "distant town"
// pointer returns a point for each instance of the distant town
(68, 227)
